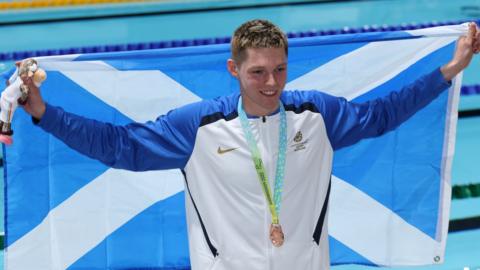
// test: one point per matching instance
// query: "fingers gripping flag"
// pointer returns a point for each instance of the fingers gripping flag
(390, 195)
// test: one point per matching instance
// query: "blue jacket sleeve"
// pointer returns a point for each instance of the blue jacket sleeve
(162, 144)
(349, 122)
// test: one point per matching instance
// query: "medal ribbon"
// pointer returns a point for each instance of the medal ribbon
(274, 204)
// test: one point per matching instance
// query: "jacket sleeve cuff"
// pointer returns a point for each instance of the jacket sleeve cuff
(48, 119)
(437, 77)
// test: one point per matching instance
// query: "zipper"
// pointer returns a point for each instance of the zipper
(269, 138)
(264, 143)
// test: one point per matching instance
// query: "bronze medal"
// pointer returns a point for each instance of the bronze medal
(276, 235)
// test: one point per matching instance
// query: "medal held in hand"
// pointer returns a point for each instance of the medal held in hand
(276, 233)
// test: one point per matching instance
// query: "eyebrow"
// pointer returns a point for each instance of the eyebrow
(282, 64)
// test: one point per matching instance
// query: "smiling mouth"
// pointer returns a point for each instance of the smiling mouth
(268, 92)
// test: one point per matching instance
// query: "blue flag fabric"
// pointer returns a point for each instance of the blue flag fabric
(390, 195)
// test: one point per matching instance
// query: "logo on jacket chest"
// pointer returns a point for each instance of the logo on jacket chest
(298, 142)
(222, 151)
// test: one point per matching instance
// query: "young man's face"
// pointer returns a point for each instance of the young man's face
(262, 76)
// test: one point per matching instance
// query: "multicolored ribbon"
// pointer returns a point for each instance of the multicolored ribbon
(274, 203)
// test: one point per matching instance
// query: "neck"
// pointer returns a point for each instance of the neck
(260, 113)
(254, 109)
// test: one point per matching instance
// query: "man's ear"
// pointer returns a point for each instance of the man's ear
(232, 68)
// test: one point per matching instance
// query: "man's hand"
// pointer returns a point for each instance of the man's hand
(466, 47)
(35, 105)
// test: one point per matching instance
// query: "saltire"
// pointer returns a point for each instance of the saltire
(390, 195)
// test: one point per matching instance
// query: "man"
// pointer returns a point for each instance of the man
(257, 164)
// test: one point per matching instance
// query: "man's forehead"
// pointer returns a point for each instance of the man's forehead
(265, 56)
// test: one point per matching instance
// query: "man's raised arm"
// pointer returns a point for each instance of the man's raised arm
(165, 143)
(466, 47)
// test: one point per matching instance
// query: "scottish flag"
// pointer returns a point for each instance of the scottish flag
(390, 195)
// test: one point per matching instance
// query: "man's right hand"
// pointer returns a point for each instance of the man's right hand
(35, 105)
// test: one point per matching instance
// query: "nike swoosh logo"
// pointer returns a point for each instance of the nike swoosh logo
(223, 151)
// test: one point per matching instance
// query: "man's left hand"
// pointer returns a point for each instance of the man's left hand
(467, 46)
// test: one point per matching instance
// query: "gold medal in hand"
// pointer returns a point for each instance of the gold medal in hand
(276, 235)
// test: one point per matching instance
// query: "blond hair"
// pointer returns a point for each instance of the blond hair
(256, 34)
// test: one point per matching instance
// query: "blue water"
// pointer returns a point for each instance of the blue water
(222, 23)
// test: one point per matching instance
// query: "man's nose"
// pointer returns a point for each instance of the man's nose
(270, 79)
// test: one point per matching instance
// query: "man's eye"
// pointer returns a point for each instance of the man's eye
(280, 69)
(257, 72)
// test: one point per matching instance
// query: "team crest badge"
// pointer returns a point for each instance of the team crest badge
(298, 137)
(298, 142)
